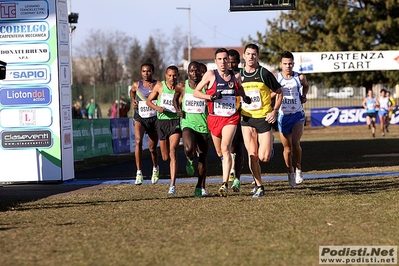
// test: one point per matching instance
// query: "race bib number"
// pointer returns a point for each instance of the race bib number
(370, 106)
(256, 102)
(194, 105)
(225, 107)
(167, 102)
(145, 111)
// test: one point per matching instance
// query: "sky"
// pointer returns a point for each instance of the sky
(211, 22)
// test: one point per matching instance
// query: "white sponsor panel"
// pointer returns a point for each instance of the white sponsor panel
(39, 74)
(319, 62)
(65, 96)
(63, 32)
(62, 11)
(63, 52)
(36, 117)
(350, 255)
(65, 74)
(66, 116)
(27, 31)
(25, 53)
(24, 10)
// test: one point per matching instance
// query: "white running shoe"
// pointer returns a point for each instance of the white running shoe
(203, 191)
(139, 178)
(172, 190)
(155, 175)
(291, 179)
(298, 177)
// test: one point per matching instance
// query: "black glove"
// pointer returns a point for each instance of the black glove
(216, 95)
(247, 99)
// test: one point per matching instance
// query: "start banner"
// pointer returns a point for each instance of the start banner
(322, 62)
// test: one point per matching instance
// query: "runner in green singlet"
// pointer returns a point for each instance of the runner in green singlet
(168, 123)
(193, 112)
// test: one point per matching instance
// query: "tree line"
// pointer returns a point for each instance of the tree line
(108, 59)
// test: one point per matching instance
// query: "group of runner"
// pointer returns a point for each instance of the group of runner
(383, 106)
(236, 107)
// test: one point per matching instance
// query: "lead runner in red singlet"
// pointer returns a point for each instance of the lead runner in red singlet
(223, 88)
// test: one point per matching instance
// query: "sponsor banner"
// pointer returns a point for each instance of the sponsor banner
(25, 96)
(29, 74)
(343, 116)
(24, 10)
(26, 139)
(28, 31)
(319, 62)
(35, 117)
(351, 255)
(120, 135)
(91, 138)
(25, 53)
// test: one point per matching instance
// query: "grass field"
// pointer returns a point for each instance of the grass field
(142, 225)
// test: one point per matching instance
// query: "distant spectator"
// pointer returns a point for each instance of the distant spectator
(76, 110)
(124, 106)
(82, 103)
(113, 110)
(91, 108)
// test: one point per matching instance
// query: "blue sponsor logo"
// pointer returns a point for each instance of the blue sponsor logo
(30, 74)
(24, 28)
(25, 96)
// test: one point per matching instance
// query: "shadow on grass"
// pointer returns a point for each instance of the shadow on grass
(317, 156)
(12, 196)
(275, 189)
(338, 186)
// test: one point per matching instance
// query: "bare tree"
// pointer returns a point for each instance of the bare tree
(94, 51)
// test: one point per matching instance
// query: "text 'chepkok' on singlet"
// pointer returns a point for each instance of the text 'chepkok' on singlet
(291, 103)
(370, 105)
(141, 96)
(166, 100)
(258, 85)
(226, 106)
(195, 111)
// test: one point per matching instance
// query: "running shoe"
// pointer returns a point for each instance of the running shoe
(172, 190)
(190, 167)
(260, 192)
(139, 179)
(298, 177)
(198, 192)
(203, 191)
(254, 189)
(155, 175)
(236, 185)
(232, 176)
(223, 190)
(291, 179)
